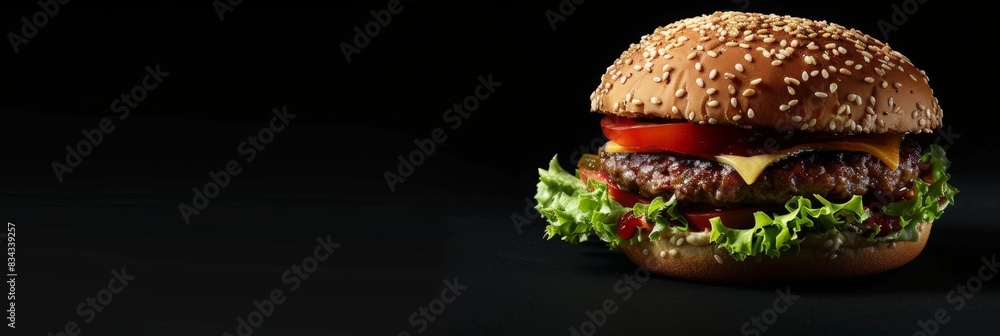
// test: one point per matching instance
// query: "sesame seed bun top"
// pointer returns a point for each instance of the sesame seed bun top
(768, 71)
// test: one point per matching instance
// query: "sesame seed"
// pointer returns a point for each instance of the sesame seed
(663, 254)
(891, 102)
(805, 76)
(645, 252)
(790, 81)
(712, 54)
(739, 67)
(830, 46)
(700, 82)
(776, 62)
(870, 110)
(636, 102)
(712, 74)
(748, 58)
(897, 85)
(852, 97)
(858, 67)
(885, 84)
(697, 66)
(833, 87)
(692, 55)
(842, 109)
(732, 89)
(871, 99)
(793, 102)
(922, 122)
(750, 113)
(804, 127)
(636, 67)
(666, 68)
(845, 71)
(921, 106)
(784, 107)
(711, 91)
(655, 100)
(833, 125)
(744, 46)
(713, 122)
(769, 40)
(916, 114)
(657, 79)
(749, 92)
(680, 93)
(615, 106)
(700, 47)
(628, 96)
(848, 62)
(869, 80)
(796, 119)
(814, 73)
(756, 81)
(732, 101)
(675, 110)
(842, 50)
(812, 122)
(673, 252)
(825, 74)
(791, 90)
(713, 103)
(718, 258)
(729, 76)
(691, 115)
(821, 94)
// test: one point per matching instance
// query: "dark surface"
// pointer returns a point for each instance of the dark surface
(454, 217)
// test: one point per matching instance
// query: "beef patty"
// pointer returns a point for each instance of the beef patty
(834, 175)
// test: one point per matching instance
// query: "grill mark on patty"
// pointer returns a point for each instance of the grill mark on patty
(834, 175)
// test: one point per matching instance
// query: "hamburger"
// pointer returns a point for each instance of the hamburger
(750, 147)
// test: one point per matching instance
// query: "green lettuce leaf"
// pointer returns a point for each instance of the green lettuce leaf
(773, 234)
(575, 212)
(930, 199)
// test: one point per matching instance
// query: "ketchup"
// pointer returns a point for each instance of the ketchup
(887, 224)
(628, 224)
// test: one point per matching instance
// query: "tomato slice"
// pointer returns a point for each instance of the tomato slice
(679, 137)
(738, 218)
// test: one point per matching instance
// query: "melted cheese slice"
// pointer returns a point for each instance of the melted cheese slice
(885, 148)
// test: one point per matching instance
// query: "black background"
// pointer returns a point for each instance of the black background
(452, 218)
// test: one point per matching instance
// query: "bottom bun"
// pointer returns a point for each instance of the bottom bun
(689, 255)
